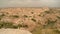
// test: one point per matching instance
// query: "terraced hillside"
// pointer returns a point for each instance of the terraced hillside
(36, 20)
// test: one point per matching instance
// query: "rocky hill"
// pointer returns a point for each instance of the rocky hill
(30, 18)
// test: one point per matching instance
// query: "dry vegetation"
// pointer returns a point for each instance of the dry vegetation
(36, 20)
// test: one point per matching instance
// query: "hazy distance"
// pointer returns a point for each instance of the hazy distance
(29, 3)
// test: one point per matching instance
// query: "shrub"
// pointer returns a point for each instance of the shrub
(50, 24)
(33, 19)
(11, 25)
(25, 26)
(47, 12)
(25, 16)
(1, 16)
(57, 31)
(32, 12)
(58, 17)
(15, 16)
(8, 25)
(19, 25)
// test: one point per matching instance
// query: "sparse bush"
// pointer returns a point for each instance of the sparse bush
(19, 25)
(25, 26)
(50, 24)
(57, 31)
(22, 25)
(15, 16)
(39, 15)
(15, 27)
(1, 25)
(33, 19)
(25, 16)
(8, 25)
(47, 12)
(58, 17)
(32, 12)
(1, 16)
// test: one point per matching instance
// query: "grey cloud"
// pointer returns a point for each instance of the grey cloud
(29, 3)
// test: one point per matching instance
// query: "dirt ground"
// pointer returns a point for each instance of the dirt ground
(32, 17)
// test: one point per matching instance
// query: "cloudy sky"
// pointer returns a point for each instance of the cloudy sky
(29, 3)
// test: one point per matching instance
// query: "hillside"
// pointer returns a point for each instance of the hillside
(37, 20)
